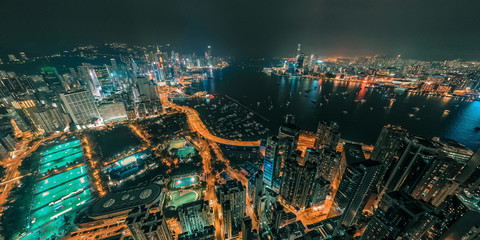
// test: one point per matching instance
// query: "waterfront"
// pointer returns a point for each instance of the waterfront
(361, 110)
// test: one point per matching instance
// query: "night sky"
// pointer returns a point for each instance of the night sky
(423, 29)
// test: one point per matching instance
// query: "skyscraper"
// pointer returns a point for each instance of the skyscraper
(470, 173)
(460, 214)
(399, 216)
(146, 225)
(49, 119)
(437, 180)
(195, 216)
(357, 183)
(328, 134)
(297, 182)
(411, 160)
(329, 164)
(81, 107)
(54, 80)
(271, 162)
(232, 197)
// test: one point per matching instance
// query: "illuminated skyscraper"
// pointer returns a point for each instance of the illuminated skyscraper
(232, 197)
(399, 216)
(297, 182)
(470, 174)
(54, 80)
(328, 134)
(412, 159)
(459, 218)
(81, 107)
(146, 225)
(271, 162)
(49, 119)
(357, 183)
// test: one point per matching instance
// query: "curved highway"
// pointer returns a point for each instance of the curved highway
(197, 125)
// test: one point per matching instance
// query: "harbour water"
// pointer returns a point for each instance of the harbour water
(361, 110)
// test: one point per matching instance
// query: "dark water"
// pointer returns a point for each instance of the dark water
(361, 111)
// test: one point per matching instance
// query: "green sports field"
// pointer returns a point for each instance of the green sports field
(61, 147)
(60, 178)
(55, 194)
(60, 162)
(60, 155)
(177, 201)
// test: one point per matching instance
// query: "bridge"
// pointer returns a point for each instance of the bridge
(197, 125)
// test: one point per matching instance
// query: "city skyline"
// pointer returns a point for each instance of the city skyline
(224, 120)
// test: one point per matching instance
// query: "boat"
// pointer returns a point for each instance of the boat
(344, 112)
(416, 109)
(411, 115)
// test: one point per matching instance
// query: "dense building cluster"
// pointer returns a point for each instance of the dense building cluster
(453, 78)
(306, 185)
(111, 83)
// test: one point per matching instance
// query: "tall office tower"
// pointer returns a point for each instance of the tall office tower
(81, 107)
(271, 162)
(459, 216)
(146, 225)
(329, 164)
(357, 183)
(104, 78)
(300, 61)
(328, 134)
(321, 188)
(271, 198)
(89, 78)
(247, 229)
(289, 178)
(195, 216)
(470, 174)
(54, 80)
(297, 182)
(399, 216)
(146, 89)
(299, 49)
(388, 142)
(232, 198)
(434, 186)
(411, 161)
(24, 110)
(288, 135)
(208, 55)
(275, 213)
(49, 119)
(256, 191)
